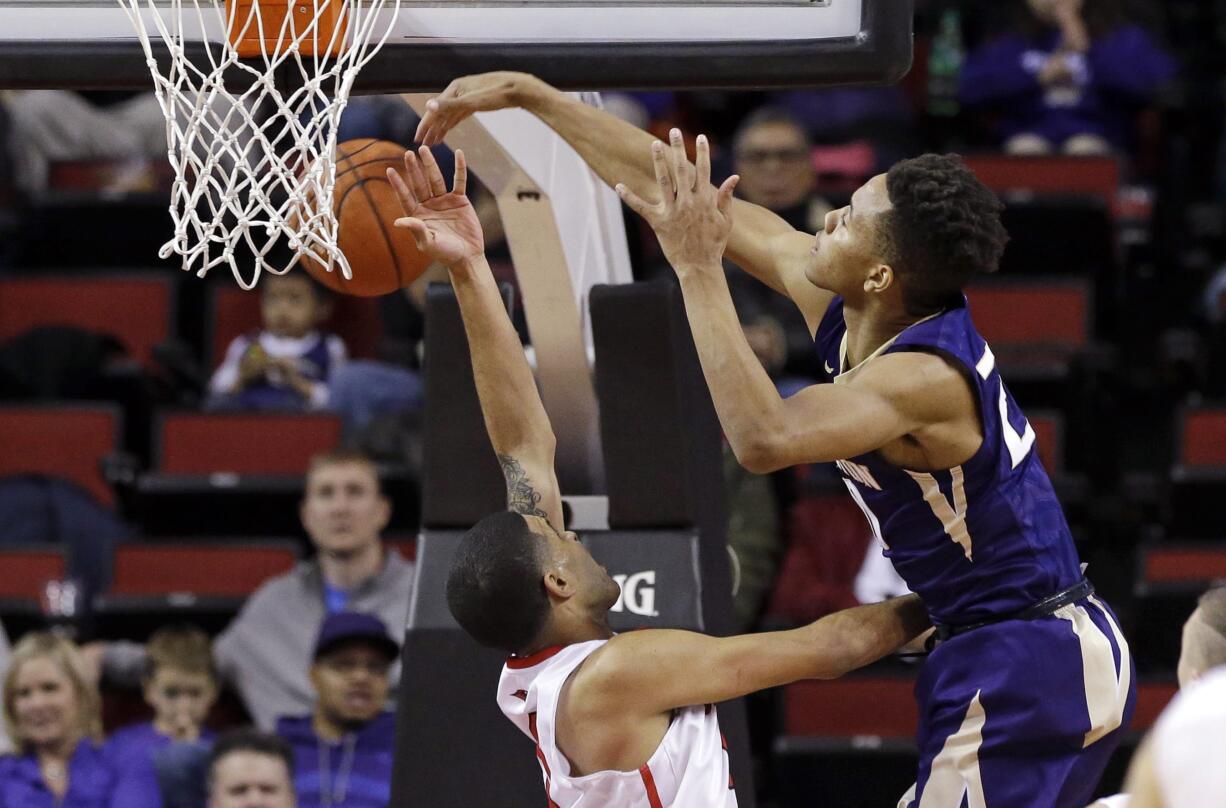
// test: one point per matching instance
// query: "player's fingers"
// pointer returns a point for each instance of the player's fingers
(723, 199)
(635, 202)
(422, 234)
(408, 202)
(668, 192)
(683, 172)
(459, 185)
(702, 163)
(417, 180)
(434, 175)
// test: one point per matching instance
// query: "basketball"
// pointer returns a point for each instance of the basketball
(382, 258)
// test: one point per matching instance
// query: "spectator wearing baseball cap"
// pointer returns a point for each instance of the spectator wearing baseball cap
(343, 749)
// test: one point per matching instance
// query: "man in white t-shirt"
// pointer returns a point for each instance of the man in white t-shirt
(622, 721)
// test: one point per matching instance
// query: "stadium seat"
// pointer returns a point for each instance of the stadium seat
(25, 571)
(202, 582)
(134, 308)
(878, 706)
(235, 311)
(1198, 477)
(65, 441)
(247, 443)
(1055, 175)
(1170, 577)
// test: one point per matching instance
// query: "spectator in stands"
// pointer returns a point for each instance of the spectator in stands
(52, 125)
(343, 749)
(285, 365)
(266, 651)
(53, 715)
(771, 154)
(1067, 76)
(181, 686)
(249, 769)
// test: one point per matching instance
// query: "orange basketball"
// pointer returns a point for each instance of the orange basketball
(381, 257)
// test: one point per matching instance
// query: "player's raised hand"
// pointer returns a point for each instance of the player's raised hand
(443, 223)
(483, 92)
(693, 218)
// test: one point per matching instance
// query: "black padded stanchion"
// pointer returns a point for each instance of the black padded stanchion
(663, 453)
(461, 480)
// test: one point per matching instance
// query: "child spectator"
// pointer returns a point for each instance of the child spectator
(287, 364)
(180, 684)
(1068, 76)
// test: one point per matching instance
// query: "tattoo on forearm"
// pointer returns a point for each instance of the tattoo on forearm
(521, 496)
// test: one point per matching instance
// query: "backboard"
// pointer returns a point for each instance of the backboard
(574, 44)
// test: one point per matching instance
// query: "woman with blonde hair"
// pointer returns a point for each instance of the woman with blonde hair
(53, 714)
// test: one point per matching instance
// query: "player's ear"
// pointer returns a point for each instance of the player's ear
(557, 585)
(879, 279)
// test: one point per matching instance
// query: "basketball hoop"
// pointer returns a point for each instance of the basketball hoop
(251, 128)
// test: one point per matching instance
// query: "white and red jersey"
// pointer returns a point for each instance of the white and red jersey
(689, 769)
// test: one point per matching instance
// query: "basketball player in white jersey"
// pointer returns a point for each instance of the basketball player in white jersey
(622, 721)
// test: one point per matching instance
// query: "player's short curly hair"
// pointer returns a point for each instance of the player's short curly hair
(495, 588)
(943, 228)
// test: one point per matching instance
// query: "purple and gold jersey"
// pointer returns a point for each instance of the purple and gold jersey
(977, 541)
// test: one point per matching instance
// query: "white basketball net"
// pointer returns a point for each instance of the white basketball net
(254, 165)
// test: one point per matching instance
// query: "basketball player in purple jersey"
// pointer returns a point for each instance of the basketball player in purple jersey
(621, 721)
(1031, 685)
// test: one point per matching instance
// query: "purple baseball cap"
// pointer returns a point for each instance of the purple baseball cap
(344, 627)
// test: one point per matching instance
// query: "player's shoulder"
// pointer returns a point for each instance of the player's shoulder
(917, 381)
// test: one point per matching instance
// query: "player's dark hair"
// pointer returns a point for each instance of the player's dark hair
(943, 228)
(494, 588)
(250, 740)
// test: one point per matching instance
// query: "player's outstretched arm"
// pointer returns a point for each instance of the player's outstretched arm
(648, 672)
(762, 243)
(446, 229)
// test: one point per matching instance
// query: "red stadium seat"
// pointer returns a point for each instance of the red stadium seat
(25, 571)
(878, 706)
(60, 441)
(235, 312)
(1195, 564)
(1202, 438)
(1056, 174)
(1152, 698)
(205, 570)
(135, 310)
(273, 444)
(1049, 438)
(1030, 314)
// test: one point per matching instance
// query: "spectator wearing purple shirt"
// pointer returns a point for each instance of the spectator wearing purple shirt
(1069, 78)
(343, 749)
(180, 684)
(52, 711)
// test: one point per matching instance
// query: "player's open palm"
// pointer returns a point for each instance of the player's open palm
(483, 92)
(692, 220)
(443, 223)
